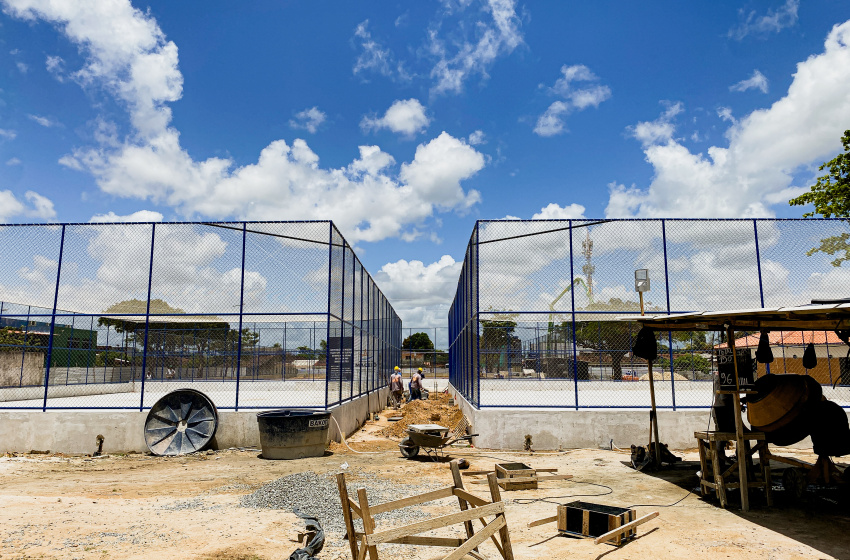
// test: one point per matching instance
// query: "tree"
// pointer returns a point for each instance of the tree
(497, 334)
(611, 337)
(687, 362)
(417, 341)
(12, 340)
(831, 197)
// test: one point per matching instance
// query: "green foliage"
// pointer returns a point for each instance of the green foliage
(11, 340)
(417, 341)
(108, 358)
(610, 336)
(496, 334)
(831, 197)
(687, 362)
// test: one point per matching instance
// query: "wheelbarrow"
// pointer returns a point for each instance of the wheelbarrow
(433, 438)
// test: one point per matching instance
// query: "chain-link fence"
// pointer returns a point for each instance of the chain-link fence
(533, 322)
(254, 314)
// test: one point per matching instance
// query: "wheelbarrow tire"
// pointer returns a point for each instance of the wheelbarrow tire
(408, 449)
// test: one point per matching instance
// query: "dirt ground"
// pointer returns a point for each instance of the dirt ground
(139, 506)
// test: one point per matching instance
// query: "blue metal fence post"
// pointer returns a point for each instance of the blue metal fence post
(147, 321)
(241, 315)
(573, 313)
(328, 326)
(24, 350)
(761, 285)
(476, 279)
(669, 333)
(341, 320)
(53, 320)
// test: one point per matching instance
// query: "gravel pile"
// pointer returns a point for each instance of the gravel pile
(317, 495)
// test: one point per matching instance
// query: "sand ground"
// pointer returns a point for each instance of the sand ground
(139, 506)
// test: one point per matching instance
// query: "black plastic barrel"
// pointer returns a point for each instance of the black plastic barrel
(293, 433)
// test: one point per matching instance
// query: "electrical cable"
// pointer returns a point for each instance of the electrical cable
(549, 499)
(341, 436)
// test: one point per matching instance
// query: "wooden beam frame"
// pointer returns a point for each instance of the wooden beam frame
(471, 507)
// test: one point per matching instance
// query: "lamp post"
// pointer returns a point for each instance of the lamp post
(641, 286)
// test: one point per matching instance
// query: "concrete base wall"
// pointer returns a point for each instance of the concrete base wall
(74, 431)
(560, 428)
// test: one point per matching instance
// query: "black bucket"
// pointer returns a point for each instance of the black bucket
(293, 433)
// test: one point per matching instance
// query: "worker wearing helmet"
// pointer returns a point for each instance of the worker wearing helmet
(396, 386)
(416, 385)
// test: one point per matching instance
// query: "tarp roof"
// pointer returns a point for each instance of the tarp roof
(817, 317)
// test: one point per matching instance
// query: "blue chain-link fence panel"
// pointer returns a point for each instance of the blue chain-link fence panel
(533, 322)
(255, 314)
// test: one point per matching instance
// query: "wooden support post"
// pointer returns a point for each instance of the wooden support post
(368, 523)
(458, 483)
(346, 514)
(496, 496)
(653, 419)
(739, 427)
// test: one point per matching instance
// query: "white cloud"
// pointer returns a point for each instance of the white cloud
(308, 119)
(555, 212)
(8, 134)
(552, 121)
(437, 169)
(127, 54)
(403, 117)
(373, 57)
(139, 216)
(71, 162)
(43, 121)
(773, 22)
(756, 81)
(421, 294)
(476, 138)
(39, 206)
(13, 161)
(765, 148)
(725, 113)
(659, 130)
(495, 38)
(56, 66)
(22, 67)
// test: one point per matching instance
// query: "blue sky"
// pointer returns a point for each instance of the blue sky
(404, 122)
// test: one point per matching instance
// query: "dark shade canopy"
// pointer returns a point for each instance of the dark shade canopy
(818, 317)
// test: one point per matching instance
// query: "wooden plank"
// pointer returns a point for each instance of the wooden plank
(496, 496)
(614, 522)
(458, 487)
(739, 427)
(479, 537)
(472, 499)
(562, 518)
(429, 541)
(475, 473)
(624, 528)
(368, 523)
(543, 521)
(446, 492)
(790, 461)
(435, 523)
(355, 509)
(520, 479)
(585, 523)
(346, 514)
(703, 465)
(719, 483)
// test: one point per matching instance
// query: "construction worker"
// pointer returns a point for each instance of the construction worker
(396, 386)
(416, 386)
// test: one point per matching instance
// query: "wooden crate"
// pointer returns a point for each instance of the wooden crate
(516, 470)
(588, 520)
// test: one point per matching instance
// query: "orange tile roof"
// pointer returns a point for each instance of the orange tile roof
(788, 338)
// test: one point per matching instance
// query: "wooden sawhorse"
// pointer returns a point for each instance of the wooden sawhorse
(471, 508)
(713, 478)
